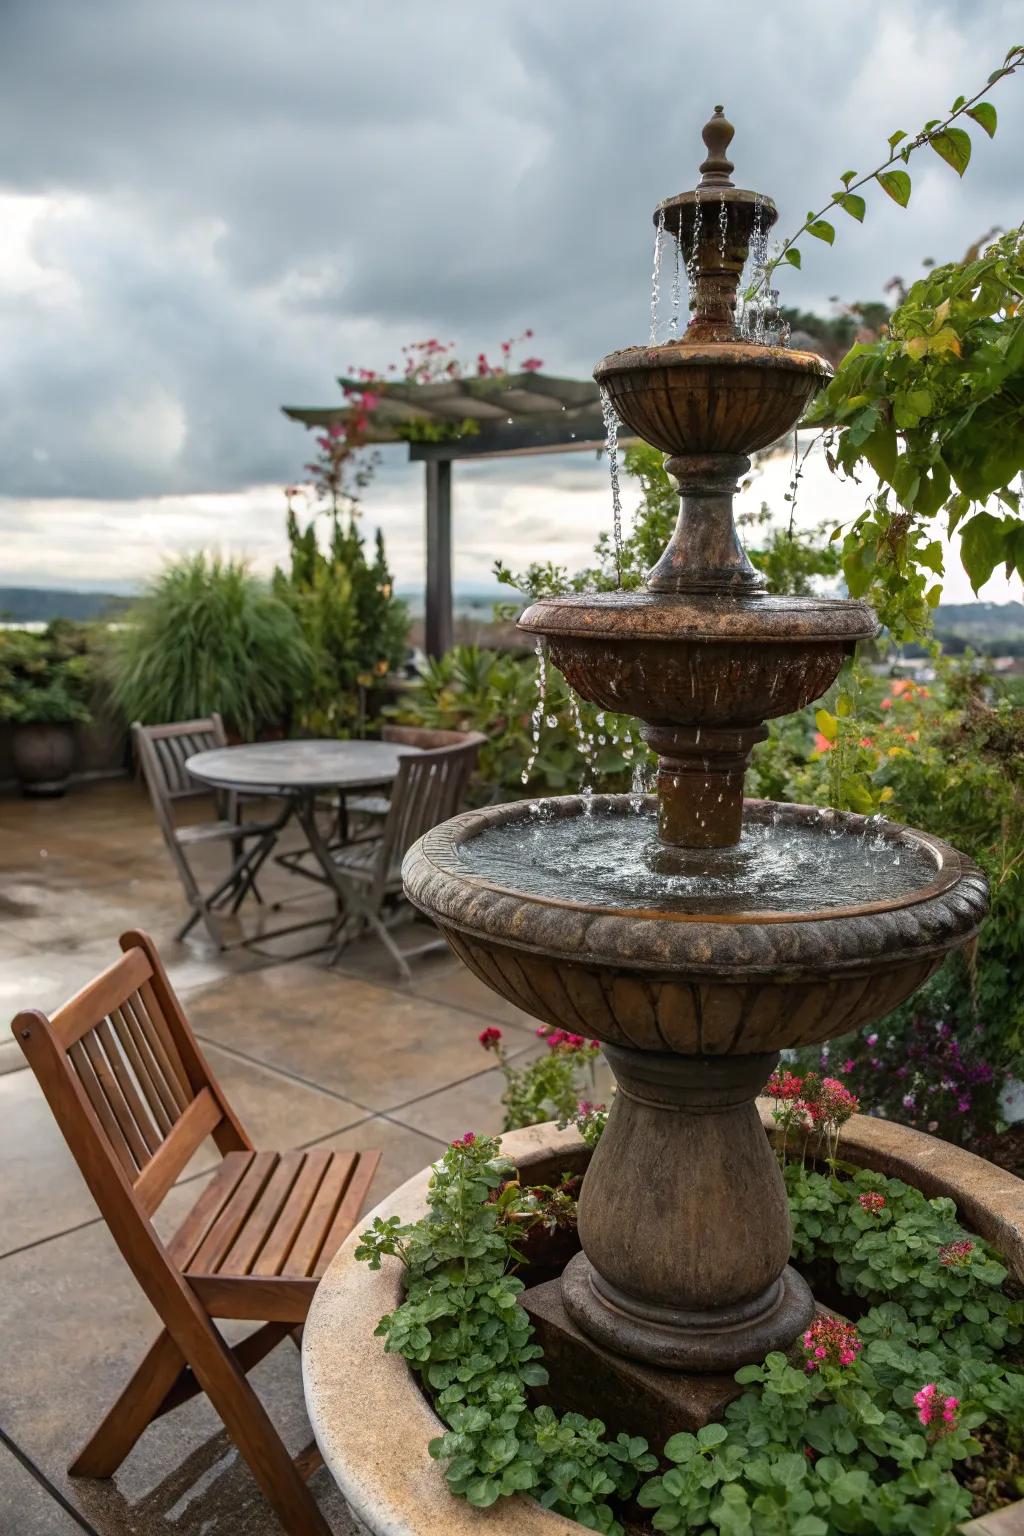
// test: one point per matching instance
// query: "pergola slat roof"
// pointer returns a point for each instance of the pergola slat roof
(512, 414)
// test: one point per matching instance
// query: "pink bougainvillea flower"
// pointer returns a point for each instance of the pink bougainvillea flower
(832, 1341)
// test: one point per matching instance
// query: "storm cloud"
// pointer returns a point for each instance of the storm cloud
(211, 208)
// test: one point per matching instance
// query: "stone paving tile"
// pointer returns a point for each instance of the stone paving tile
(376, 1045)
(457, 987)
(42, 1193)
(81, 1325)
(26, 1507)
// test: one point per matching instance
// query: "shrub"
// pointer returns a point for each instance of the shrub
(356, 629)
(48, 678)
(208, 636)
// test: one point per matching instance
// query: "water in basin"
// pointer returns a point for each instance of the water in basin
(606, 858)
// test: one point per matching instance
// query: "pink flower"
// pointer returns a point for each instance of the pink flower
(956, 1255)
(886, 704)
(938, 1413)
(531, 364)
(831, 1340)
(489, 1037)
(467, 1140)
(872, 1202)
(848, 1065)
(822, 743)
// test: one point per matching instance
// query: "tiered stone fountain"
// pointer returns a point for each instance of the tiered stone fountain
(698, 935)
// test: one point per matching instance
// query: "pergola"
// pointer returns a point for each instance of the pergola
(511, 415)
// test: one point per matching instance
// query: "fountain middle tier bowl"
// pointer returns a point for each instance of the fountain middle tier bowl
(699, 658)
(713, 397)
(816, 923)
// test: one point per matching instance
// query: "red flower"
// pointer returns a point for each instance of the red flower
(785, 1085)
(489, 1037)
(872, 1202)
(465, 1141)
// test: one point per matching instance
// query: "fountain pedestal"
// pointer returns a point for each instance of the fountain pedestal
(684, 1221)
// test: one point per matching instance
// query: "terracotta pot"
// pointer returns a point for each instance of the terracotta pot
(44, 756)
(406, 1495)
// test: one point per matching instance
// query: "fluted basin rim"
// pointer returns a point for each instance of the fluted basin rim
(929, 920)
(717, 354)
(759, 618)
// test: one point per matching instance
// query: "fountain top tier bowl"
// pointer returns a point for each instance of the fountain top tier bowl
(703, 656)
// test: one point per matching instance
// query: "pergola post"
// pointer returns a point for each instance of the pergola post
(439, 623)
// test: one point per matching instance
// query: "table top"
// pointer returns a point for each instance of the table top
(297, 767)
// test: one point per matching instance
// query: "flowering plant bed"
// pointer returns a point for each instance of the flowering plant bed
(906, 1415)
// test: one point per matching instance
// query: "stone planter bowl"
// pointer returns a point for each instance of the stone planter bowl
(372, 1422)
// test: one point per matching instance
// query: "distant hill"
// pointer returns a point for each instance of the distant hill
(38, 605)
(996, 629)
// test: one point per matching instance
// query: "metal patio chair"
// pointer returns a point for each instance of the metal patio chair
(162, 751)
(430, 787)
(135, 1098)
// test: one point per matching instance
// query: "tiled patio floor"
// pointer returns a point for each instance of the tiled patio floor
(338, 1058)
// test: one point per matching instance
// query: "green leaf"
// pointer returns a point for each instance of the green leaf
(982, 547)
(954, 146)
(793, 256)
(847, 177)
(712, 1434)
(853, 204)
(821, 229)
(894, 138)
(897, 184)
(984, 114)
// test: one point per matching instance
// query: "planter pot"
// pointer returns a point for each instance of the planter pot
(43, 756)
(373, 1423)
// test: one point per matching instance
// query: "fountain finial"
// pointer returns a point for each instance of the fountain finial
(717, 134)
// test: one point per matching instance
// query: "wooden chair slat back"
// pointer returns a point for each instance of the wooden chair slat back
(428, 789)
(163, 751)
(128, 1045)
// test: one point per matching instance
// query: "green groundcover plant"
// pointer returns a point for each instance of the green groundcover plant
(905, 1415)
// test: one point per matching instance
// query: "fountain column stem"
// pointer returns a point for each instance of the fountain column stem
(684, 1220)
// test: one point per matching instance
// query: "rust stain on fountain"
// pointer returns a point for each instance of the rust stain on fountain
(683, 1215)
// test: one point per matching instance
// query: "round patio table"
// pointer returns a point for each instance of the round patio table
(297, 772)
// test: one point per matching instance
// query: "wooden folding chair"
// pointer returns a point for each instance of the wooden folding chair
(134, 1097)
(162, 751)
(428, 789)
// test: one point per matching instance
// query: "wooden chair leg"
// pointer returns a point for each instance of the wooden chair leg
(137, 1405)
(249, 1425)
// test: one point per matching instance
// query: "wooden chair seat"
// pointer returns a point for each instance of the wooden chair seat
(266, 1226)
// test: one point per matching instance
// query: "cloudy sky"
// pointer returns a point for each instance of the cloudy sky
(210, 207)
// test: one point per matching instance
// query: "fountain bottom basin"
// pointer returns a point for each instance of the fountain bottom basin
(363, 1402)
